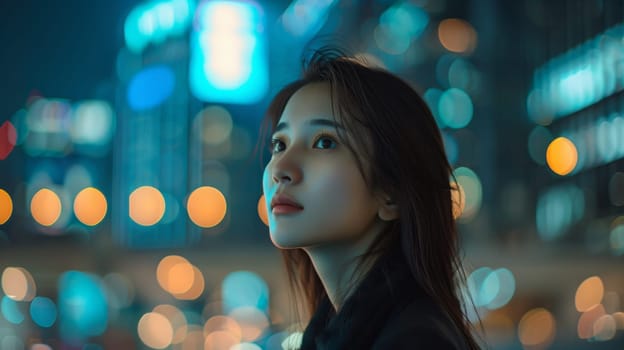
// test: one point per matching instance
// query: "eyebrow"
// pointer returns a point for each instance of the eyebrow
(313, 122)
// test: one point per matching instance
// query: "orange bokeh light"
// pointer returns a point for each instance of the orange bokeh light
(6, 206)
(262, 210)
(18, 284)
(589, 293)
(537, 328)
(561, 156)
(45, 207)
(206, 206)
(457, 35)
(90, 206)
(147, 205)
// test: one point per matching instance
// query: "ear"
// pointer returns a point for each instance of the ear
(388, 209)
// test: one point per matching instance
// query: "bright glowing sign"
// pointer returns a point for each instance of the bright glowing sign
(228, 53)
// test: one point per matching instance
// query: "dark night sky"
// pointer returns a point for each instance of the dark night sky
(61, 48)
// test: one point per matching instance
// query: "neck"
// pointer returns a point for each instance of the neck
(336, 265)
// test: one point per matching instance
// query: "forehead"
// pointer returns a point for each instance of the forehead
(312, 101)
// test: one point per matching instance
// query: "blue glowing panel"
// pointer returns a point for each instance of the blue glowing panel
(83, 310)
(43, 311)
(228, 53)
(150, 87)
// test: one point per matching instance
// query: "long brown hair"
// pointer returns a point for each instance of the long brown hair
(401, 154)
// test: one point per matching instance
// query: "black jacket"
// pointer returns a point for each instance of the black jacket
(388, 310)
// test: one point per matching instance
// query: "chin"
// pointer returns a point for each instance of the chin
(285, 242)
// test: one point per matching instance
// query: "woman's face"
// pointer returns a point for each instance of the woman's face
(310, 166)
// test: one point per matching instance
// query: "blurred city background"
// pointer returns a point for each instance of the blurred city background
(130, 196)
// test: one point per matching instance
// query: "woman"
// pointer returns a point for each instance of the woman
(359, 196)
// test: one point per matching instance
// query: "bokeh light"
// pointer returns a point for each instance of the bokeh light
(616, 236)
(458, 199)
(220, 340)
(45, 207)
(244, 288)
(214, 125)
(604, 328)
(93, 123)
(155, 330)
(10, 310)
(252, 321)
(589, 293)
(206, 206)
(197, 288)
(537, 328)
(175, 274)
(90, 206)
(82, 306)
(147, 205)
(561, 156)
(150, 87)
(8, 139)
(177, 320)
(6, 206)
(43, 311)
(262, 210)
(455, 108)
(585, 327)
(221, 323)
(471, 186)
(457, 35)
(18, 284)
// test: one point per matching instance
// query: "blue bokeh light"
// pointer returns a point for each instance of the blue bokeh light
(43, 311)
(150, 87)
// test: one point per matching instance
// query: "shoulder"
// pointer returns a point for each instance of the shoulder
(419, 325)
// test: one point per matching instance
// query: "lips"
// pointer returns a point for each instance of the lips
(284, 202)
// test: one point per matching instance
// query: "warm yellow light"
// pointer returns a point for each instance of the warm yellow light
(223, 324)
(589, 293)
(561, 156)
(457, 35)
(6, 206)
(197, 288)
(18, 284)
(90, 206)
(536, 328)
(587, 321)
(262, 210)
(206, 206)
(155, 330)
(45, 207)
(177, 320)
(176, 275)
(219, 340)
(458, 199)
(147, 205)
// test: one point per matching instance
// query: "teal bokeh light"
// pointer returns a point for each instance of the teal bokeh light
(43, 311)
(455, 108)
(243, 289)
(83, 308)
(10, 310)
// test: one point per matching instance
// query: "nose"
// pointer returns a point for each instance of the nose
(286, 169)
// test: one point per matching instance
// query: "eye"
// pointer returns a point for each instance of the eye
(325, 142)
(277, 145)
